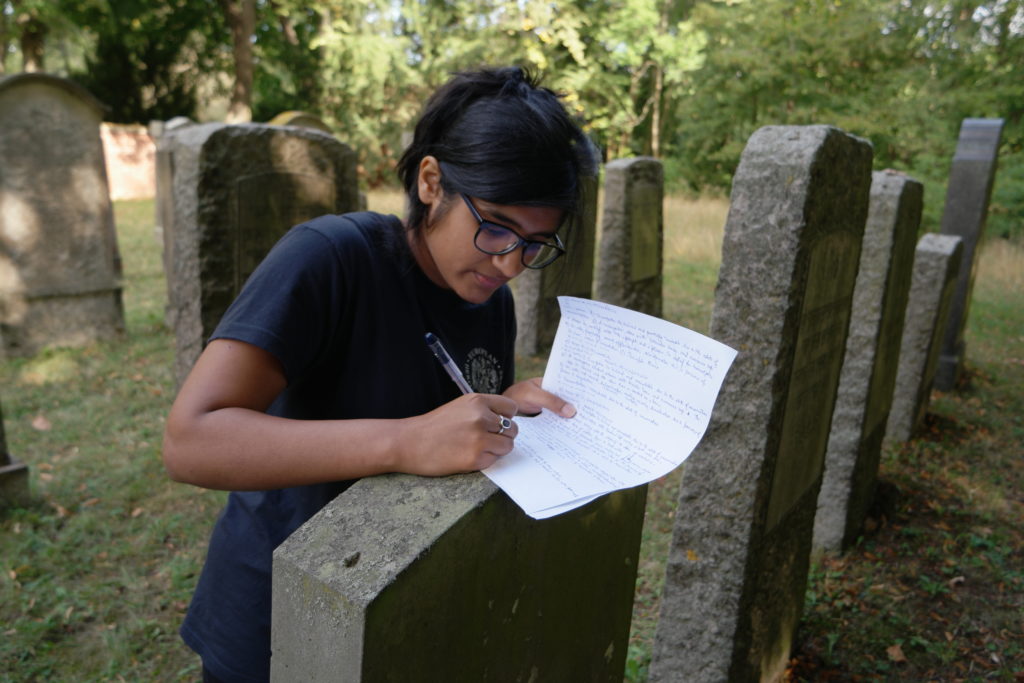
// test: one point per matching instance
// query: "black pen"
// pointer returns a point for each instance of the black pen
(447, 363)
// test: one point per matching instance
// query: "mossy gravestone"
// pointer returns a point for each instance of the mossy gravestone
(872, 353)
(60, 268)
(13, 474)
(967, 196)
(629, 270)
(738, 564)
(236, 191)
(404, 578)
(937, 261)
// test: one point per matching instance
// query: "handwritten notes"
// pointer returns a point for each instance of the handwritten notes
(643, 389)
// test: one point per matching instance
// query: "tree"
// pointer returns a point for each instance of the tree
(240, 17)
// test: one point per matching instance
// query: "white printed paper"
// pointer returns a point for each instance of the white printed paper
(643, 389)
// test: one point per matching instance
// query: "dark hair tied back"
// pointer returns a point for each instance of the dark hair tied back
(500, 136)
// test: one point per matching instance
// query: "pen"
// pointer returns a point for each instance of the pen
(447, 363)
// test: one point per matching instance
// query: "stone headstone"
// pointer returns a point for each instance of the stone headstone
(406, 578)
(872, 352)
(13, 474)
(967, 196)
(301, 119)
(60, 269)
(537, 291)
(236, 190)
(164, 190)
(739, 558)
(629, 270)
(937, 260)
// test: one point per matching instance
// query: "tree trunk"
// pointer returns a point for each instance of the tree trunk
(33, 39)
(241, 19)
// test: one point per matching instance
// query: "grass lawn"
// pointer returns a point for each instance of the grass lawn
(96, 574)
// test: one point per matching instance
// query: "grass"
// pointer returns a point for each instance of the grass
(96, 574)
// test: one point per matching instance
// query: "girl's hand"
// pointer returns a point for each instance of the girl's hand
(531, 398)
(463, 435)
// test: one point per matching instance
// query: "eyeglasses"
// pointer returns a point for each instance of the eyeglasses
(496, 240)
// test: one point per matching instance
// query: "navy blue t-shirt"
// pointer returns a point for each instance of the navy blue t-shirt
(342, 305)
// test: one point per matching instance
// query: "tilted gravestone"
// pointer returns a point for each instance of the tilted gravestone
(739, 558)
(404, 578)
(629, 268)
(872, 352)
(13, 474)
(967, 196)
(537, 291)
(937, 260)
(60, 269)
(236, 190)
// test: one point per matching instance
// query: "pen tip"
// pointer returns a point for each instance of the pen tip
(430, 338)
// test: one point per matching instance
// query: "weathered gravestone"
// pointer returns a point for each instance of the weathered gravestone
(872, 352)
(236, 190)
(737, 569)
(537, 291)
(13, 474)
(629, 270)
(967, 197)
(60, 269)
(164, 172)
(937, 260)
(403, 578)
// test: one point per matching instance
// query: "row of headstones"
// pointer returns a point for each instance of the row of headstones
(783, 300)
(822, 277)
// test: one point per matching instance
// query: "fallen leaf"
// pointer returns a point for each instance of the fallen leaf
(956, 581)
(136, 512)
(895, 653)
(41, 424)
(691, 555)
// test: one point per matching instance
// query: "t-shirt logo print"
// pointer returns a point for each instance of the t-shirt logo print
(483, 371)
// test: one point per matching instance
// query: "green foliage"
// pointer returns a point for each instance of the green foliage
(687, 81)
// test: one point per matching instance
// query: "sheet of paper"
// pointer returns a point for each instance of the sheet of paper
(643, 389)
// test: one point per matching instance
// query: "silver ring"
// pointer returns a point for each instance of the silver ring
(503, 424)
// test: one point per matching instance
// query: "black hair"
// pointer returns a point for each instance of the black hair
(503, 138)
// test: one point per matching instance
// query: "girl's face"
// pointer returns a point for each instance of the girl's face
(445, 251)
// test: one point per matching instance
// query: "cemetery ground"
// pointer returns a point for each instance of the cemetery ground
(96, 574)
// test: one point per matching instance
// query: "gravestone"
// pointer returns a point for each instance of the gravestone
(967, 196)
(60, 269)
(872, 352)
(629, 270)
(13, 474)
(236, 190)
(937, 260)
(404, 578)
(537, 291)
(739, 558)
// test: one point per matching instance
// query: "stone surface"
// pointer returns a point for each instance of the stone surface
(404, 578)
(236, 190)
(739, 557)
(967, 197)
(537, 291)
(869, 368)
(937, 260)
(14, 489)
(60, 269)
(629, 270)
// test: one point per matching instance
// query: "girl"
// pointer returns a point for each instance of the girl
(318, 373)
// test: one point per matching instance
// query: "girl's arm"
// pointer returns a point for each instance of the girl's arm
(218, 435)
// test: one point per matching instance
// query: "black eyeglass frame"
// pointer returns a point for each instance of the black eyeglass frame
(520, 240)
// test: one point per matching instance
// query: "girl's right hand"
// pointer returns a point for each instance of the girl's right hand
(460, 436)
